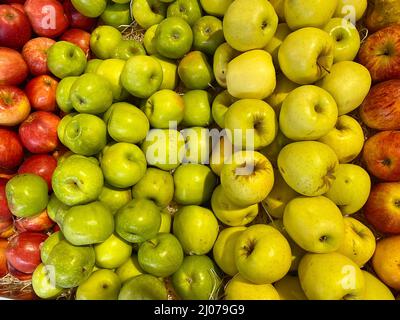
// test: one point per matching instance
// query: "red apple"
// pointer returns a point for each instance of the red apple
(6, 229)
(13, 69)
(5, 213)
(40, 164)
(47, 17)
(14, 106)
(39, 222)
(77, 19)
(38, 132)
(35, 55)
(7, 173)
(14, 1)
(382, 155)
(3, 259)
(11, 150)
(41, 92)
(382, 209)
(78, 37)
(20, 7)
(15, 29)
(18, 274)
(380, 54)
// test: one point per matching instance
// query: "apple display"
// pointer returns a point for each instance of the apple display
(14, 106)
(238, 288)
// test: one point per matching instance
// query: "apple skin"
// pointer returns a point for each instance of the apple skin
(77, 19)
(13, 68)
(220, 106)
(222, 56)
(129, 269)
(195, 71)
(90, 9)
(5, 213)
(128, 48)
(42, 165)
(143, 287)
(343, 7)
(111, 70)
(380, 110)
(148, 12)
(238, 288)
(382, 156)
(42, 284)
(380, 54)
(197, 111)
(101, 285)
(116, 14)
(63, 94)
(272, 150)
(11, 149)
(112, 253)
(215, 7)
(114, 198)
(78, 37)
(149, 40)
(289, 288)
(41, 92)
(14, 106)
(56, 209)
(207, 34)
(376, 289)
(3, 258)
(104, 40)
(189, 10)
(34, 53)
(37, 223)
(274, 44)
(198, 142)
(15, 27)
(170, 74)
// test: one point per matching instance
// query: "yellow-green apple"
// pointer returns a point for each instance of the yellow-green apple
(348, 82)
(114, 198)
(116, 14)
(126, 123)
(149, 40)
(351, 188)
(148, 12)
(289, 288)
(262, 254)
(56, 210)
(351, 9)
(128, 48)
(142, 76)
(346, 138)
(170, 72)
(221, 153)
(42, 283)
(308, 167)
(306, 55)
(197, 111)
(238, 288)
(197, 144)
(163, 107)
(220, 106)
(129, 269)
(189, 10)
(279, 6)
(166, 221)
(249, 25)
(49, 244)
(311, 13)
(91, 9)
(92, 65)
(272, 150)
(207, 34)
(138, 221)
(190, 220)
(251, 75)
(215, 7)
(228, 212)
(112, 253)
(173, 38)
(247, 178)
(308, 113)
(101, 285)
(195, 71)
(104, 40)
(222, 56)
(224, 249)
(314, 223)
(63, 124)
(63, 94)
(164, 148)
(375, 289)
(111, 69)
(143, 287)
(274, 44)
(358, 243)
(123, 164)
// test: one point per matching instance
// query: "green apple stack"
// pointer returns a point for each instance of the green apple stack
(219, 146)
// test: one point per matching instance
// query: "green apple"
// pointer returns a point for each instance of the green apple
(229, 213)
(163, 107)
(161, 256)
(111, 70)
(197, 144)
(308, 113)
(43, 283)
(346, 138)
(196, 279)
(272, 150)
(64, 59)
(148, 12)
(92, 9)
(70, 264)
(348, 82)
(311, 13)
(289, 288)
(91, 93)
(195, 71)
(166, 221)
(359, 242)
(197, 111)
(173, 38)
(251, 75)
(114, 198)
(222, 56)
(346, 37)
(138, 221)
(190, 220)
(77, 180)
(128, 48)
(308, 167)
(85, 134)
(273, 46)
(375, 289)
(56, 210)
(142, 76)
(129, 269)
(279, 6)
(49, 244)
(27, 194)
(156, 185)
(116, 14)
(353, 9)
(126, 123)
(207, 34)
(248, 178)
(112, 253)
(149, 40)
(314, 223)
(164, 148)
(104, 40)
(101, 285)
(92, 65)
(189, 10)
(220, 154)
(350, 190)
(143, 287)
(220, 106)
(251, 124)
(331, 276)
(306, 55)
(262, 254)
(123, 164)
(170, 72)
(63, 94)
(216, 7)
(224, 249)
(283, 87)
(194, 184)
(249, 25)
(238, 288)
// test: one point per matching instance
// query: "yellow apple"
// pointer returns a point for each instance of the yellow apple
(272, 150)
(289, 288)
(283, 87)
(274, 44)
(221, 152)
(279, 6)
(239, 288)
(352, 10)
(222, 56)
(170, 75)
(375, 289)
(129, 269)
